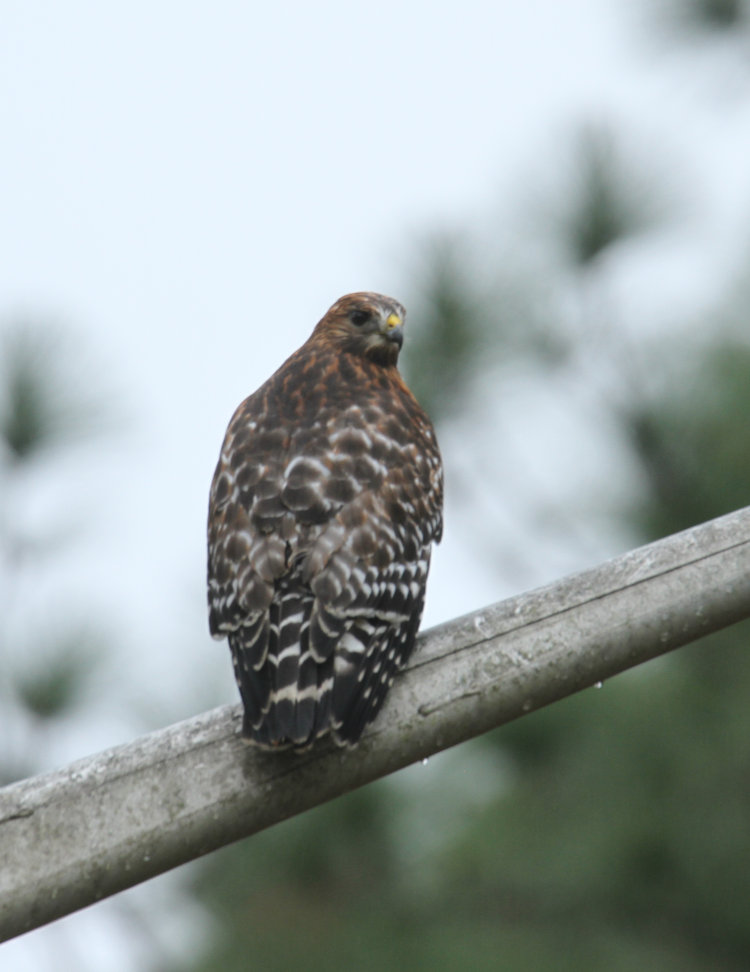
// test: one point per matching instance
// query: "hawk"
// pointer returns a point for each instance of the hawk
(324, 506)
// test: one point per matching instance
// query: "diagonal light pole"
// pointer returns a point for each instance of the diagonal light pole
(105, 823)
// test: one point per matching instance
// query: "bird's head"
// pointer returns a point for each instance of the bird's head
(368, 324)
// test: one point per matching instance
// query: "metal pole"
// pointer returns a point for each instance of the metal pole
(70, 838)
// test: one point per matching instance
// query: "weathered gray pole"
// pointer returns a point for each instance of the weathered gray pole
(106, 823)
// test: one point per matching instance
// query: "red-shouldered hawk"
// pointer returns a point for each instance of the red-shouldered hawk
(324, 506)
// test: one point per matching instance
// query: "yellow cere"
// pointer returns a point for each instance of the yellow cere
(393, 320)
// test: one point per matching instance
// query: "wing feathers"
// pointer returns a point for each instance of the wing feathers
(325, 503)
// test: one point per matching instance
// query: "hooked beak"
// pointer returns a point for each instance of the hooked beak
(394, 329)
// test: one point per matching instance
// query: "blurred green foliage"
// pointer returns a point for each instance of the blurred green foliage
(460, 328)
(605, 202)
(53, 684)
(43, 403)
(46, 661)
(703, 20)
(696, 436)
(713, 14)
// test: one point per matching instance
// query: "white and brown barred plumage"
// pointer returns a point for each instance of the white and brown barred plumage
(324, 506)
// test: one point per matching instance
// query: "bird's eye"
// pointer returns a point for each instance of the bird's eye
(360, 317)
